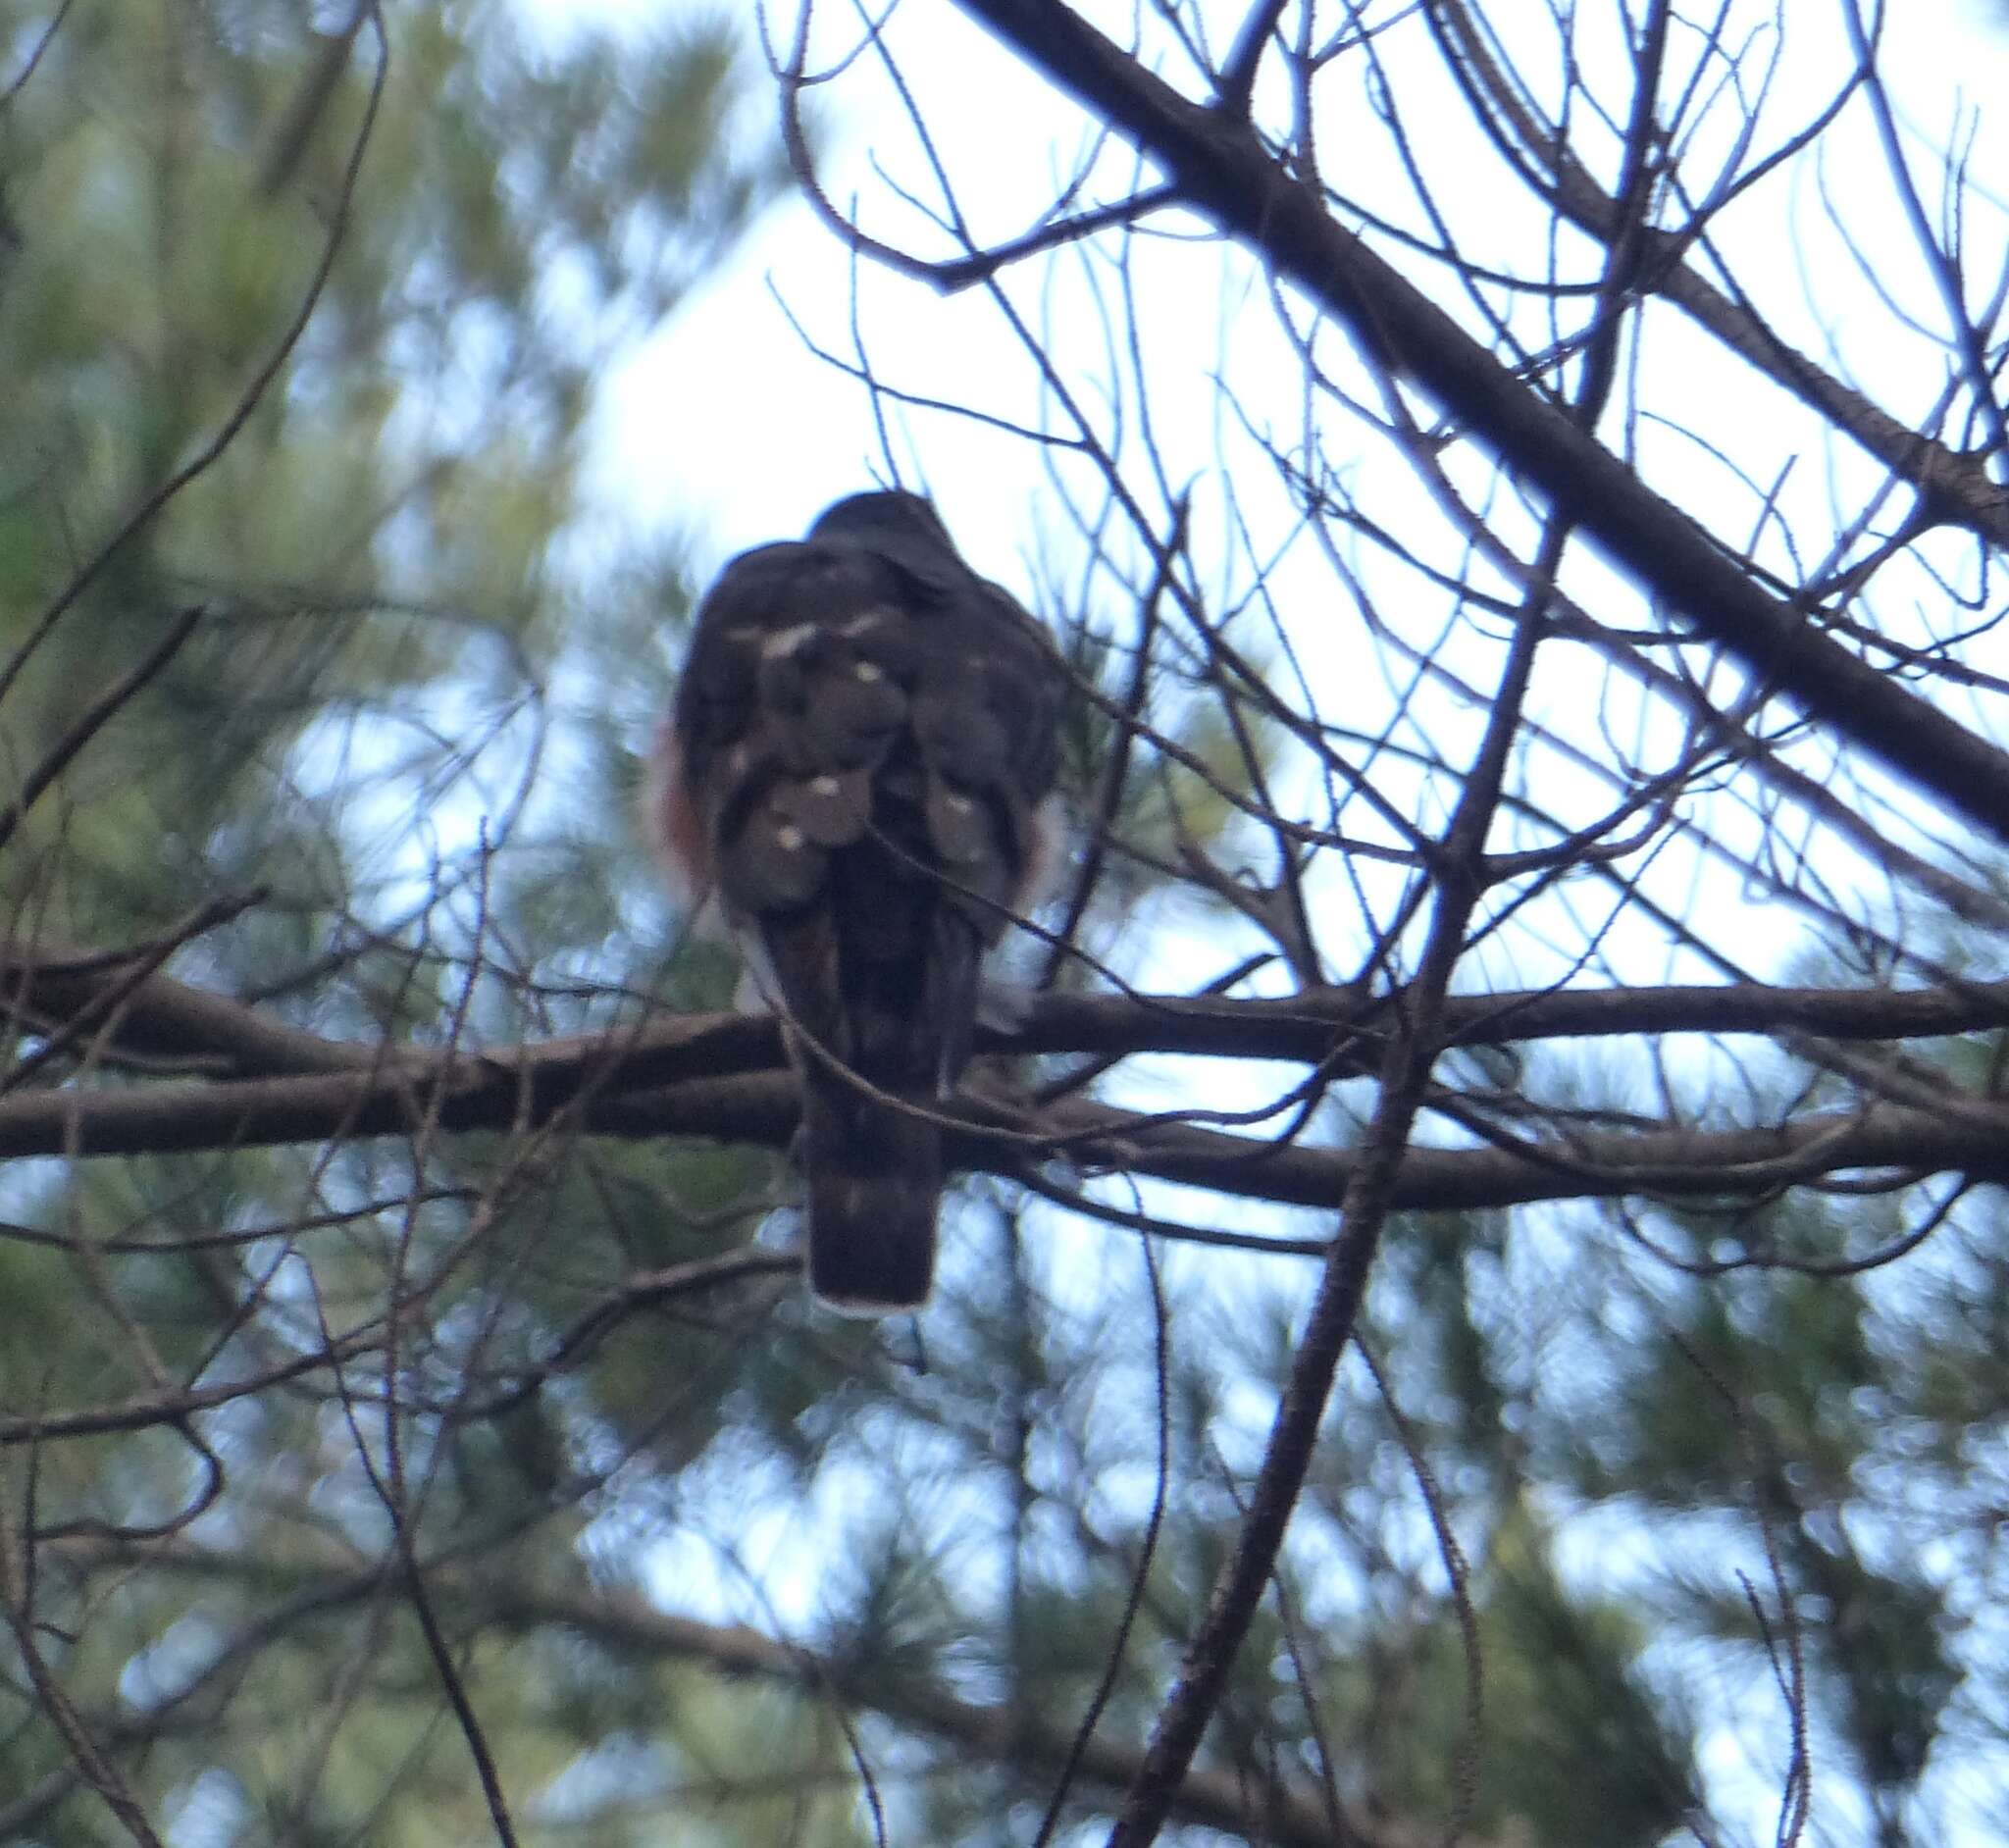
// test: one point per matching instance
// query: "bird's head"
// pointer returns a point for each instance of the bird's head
(882, 515)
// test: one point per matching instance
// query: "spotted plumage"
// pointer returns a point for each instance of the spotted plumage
(859, 766)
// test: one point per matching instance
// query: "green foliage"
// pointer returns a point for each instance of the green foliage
(389, 467)
(380, 521)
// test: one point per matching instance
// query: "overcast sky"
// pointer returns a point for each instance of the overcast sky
(726, 423)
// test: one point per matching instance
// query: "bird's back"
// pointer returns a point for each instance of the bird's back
(865, 731)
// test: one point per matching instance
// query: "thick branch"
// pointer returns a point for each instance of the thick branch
(722, 1076)
(1956, 483)
(1223, 171)
(760, 1106)
(169, 1019)
(1692, 1165)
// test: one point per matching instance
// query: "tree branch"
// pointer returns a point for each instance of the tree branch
(1223, 169)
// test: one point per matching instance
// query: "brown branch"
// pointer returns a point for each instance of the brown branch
(175, 1408)
(98, 1017)
(93, 718)
(1698, 1165)
(36, 52)
(1956, 486)
(722, 1076)
(50, 983)
(1223, 171)
(1409, 1056)
(1675, 1164)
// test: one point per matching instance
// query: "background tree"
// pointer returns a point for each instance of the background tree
(1478, 1313)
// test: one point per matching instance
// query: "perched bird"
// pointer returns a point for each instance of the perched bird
(859, 766)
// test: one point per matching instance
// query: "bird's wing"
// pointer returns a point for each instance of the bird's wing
(780, 723)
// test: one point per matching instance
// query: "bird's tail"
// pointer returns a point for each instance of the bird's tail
(875, 1191)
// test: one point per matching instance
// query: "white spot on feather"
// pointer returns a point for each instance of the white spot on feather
(865, 671)
(789, 839)
(784, 641)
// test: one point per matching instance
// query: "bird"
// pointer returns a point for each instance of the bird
(859, 765)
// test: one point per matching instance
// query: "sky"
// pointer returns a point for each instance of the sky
(729, 428)
(726, 426)
(729, 419)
